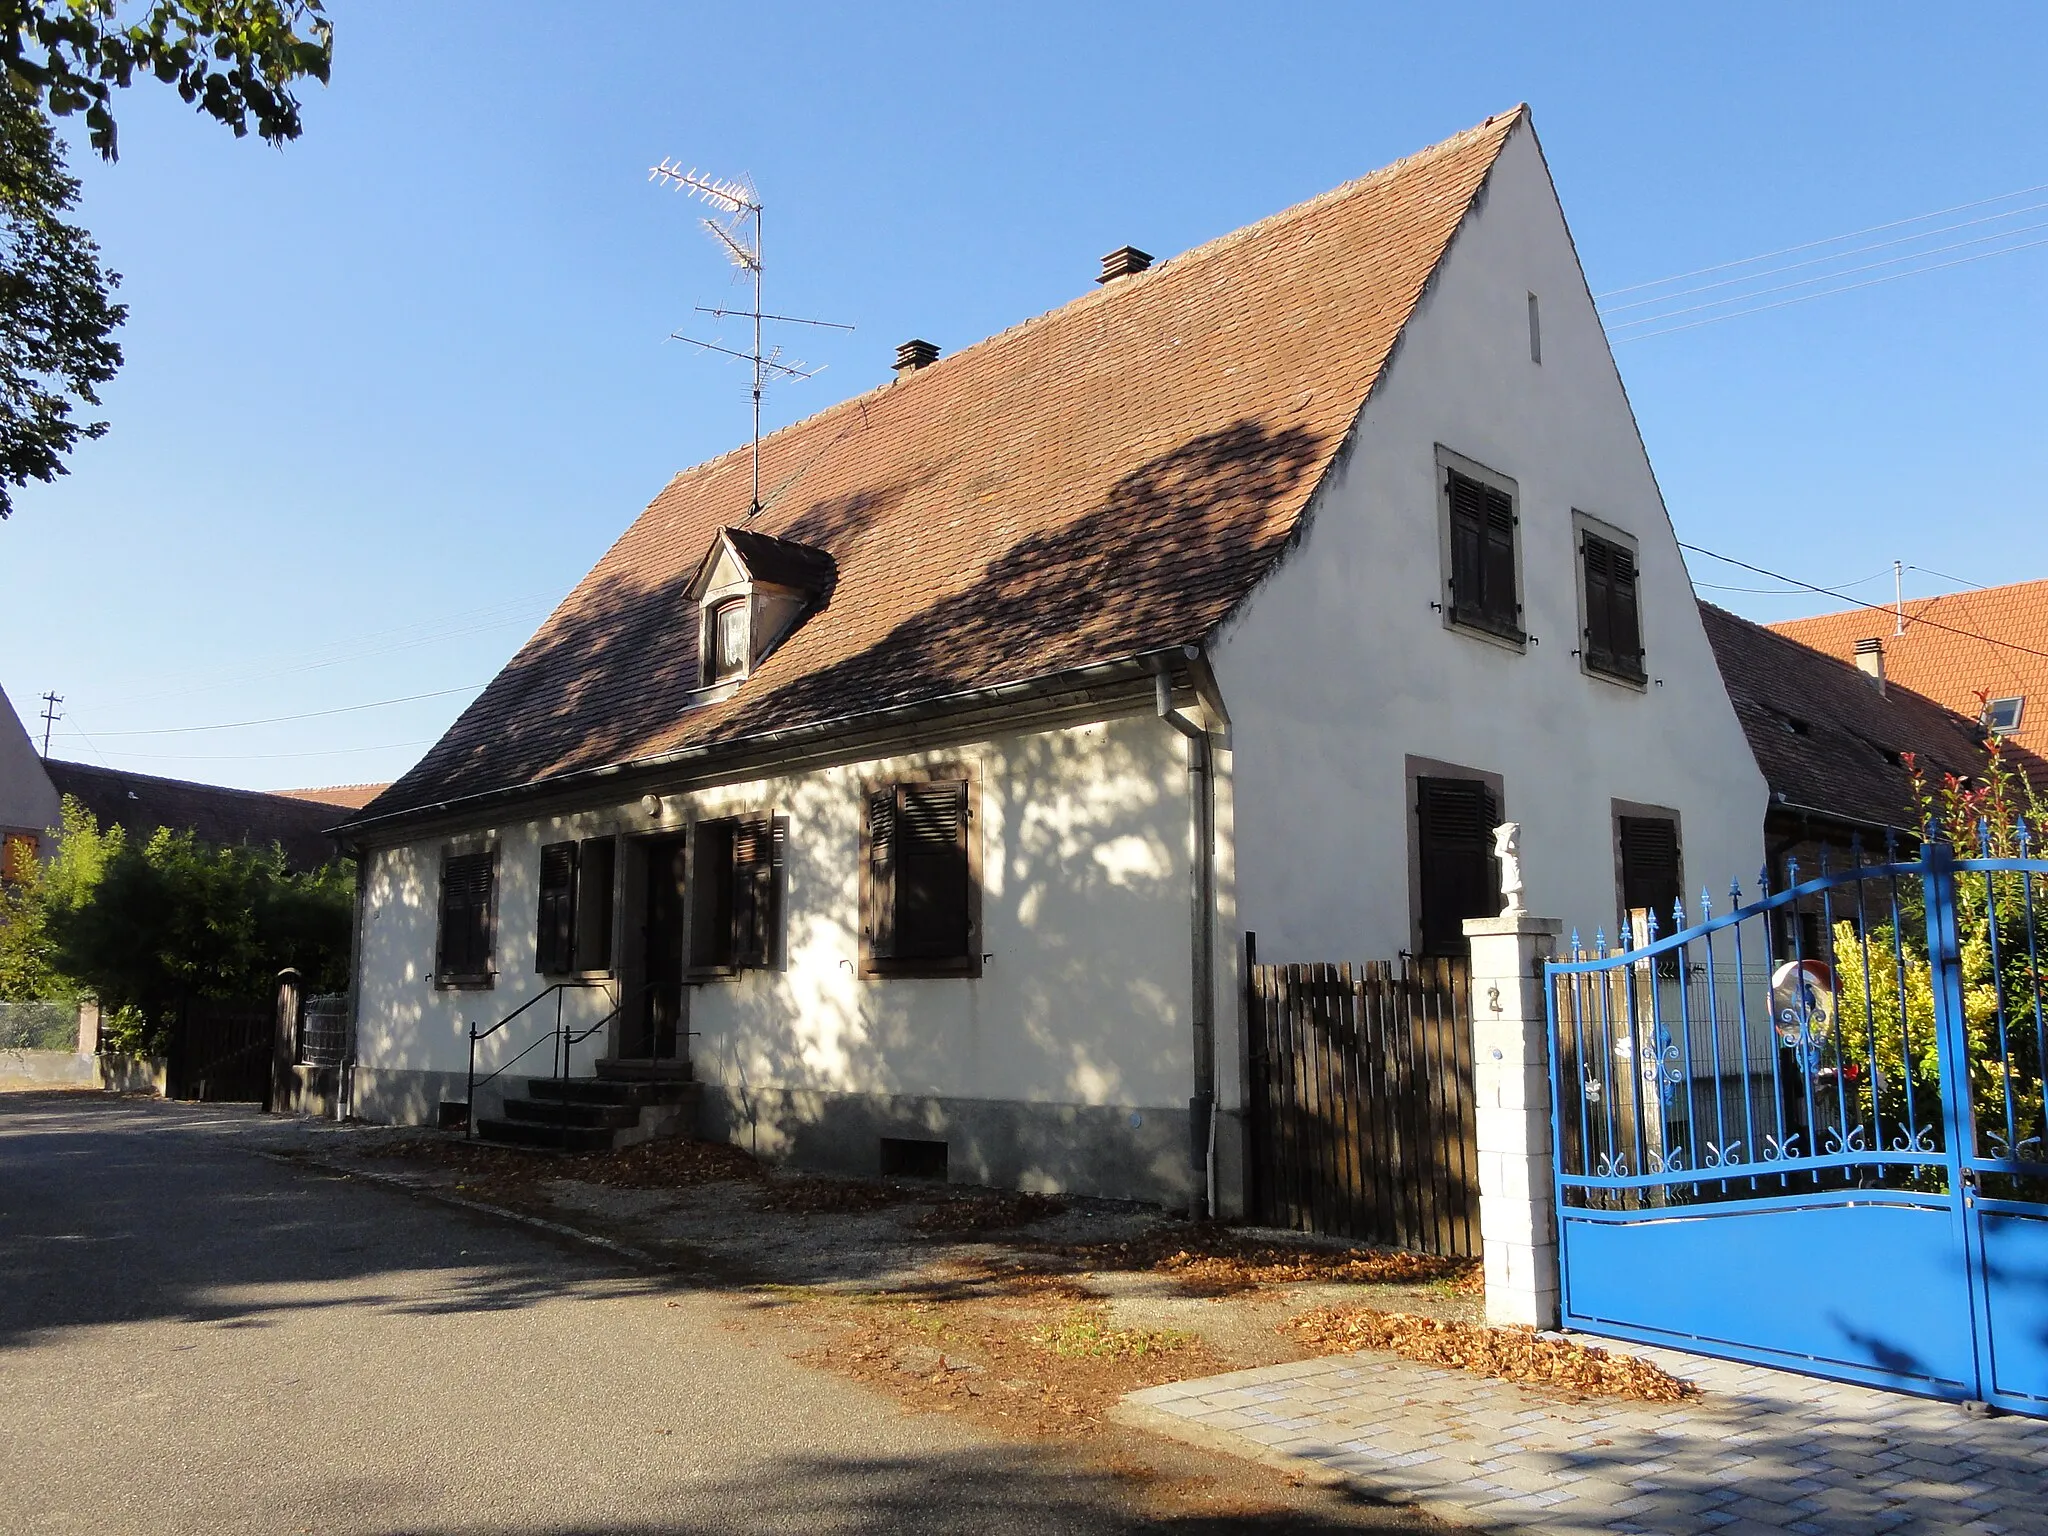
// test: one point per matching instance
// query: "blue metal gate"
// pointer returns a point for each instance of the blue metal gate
(1810, 1132)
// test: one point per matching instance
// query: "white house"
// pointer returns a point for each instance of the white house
(29, 804)
(919, 814)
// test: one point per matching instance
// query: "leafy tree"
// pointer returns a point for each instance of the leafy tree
(57, 314)
(28, 954)
(235, 60)
(1885, 986)
(143, 928)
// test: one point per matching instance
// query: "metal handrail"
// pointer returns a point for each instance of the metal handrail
(564, 1037)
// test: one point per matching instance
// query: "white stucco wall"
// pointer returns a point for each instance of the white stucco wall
(1084, 995)
(28, 801)
(1337, 670)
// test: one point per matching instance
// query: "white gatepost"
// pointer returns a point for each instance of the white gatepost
(1511, 1093)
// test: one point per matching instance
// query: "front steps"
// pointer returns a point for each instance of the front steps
(627, 1102)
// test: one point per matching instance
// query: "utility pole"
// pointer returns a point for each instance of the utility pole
(50, 718)
(1898, 597)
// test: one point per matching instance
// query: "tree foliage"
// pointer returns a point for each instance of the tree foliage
(1885, 997)
(145, 927)
(235, 60)
(57, 314)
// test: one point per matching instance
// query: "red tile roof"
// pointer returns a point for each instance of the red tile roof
(1107, 480)
(1824, 738)
(352, 797)
(2000, 652)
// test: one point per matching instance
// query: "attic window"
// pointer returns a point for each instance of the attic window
(2002, 716)
(728, 630)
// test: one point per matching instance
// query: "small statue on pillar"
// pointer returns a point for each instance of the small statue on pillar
(1507, 849)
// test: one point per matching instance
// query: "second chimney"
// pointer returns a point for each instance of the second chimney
(913, 355)
(1124, 261)
(1870, 660)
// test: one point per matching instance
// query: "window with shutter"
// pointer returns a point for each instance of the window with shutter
(1454, 840)
(711, 898)
(555, 934)
(596, 876)
(1482, 548)
(754, 891)
(1650, 873)
(735, 895)
(463, 947)
(920, 898)
(1613, 637)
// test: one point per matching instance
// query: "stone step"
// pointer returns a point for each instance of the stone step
(646, 1071)
(572, 1112)
(604, 1090)
(561, 1138)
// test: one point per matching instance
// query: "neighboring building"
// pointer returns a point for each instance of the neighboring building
(1982, 653)
(922, 812)
(28, 800)
(142, 802)
(348, 797)
(1833, 742)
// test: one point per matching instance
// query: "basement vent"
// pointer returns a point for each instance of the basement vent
(913, 355)
(903, 1158)
(454, 1114)
(1124, 261)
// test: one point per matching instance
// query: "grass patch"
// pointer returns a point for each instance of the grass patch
(1083, 1333)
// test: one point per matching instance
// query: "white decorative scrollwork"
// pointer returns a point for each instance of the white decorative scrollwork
(1776, 1151)
(1722, 1157)
(1836, 1145)
(1919, 1139)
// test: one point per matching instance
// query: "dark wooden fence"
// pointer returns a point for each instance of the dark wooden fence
(220, 1051)
(1362, 1122)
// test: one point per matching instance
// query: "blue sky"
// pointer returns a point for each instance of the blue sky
(391, 390)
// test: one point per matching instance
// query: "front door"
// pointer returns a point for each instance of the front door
(654, 1021)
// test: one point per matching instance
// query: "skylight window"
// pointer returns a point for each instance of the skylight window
(2002, 716)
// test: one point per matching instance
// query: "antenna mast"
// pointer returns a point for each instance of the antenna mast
(740, 236)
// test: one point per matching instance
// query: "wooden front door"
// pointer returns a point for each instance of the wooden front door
(655, 1024)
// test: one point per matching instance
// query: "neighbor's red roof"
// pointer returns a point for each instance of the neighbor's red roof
(1106, 480)
(1953, 668)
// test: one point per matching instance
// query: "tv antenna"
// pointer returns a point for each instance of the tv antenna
(739, 234)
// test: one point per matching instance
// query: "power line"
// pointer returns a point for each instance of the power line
(1872, 266)
(250, 757)
(1857, 602)
(1974, 586)
(313, 714)
(1810, 245)
(1820, 261)
(1873, 282)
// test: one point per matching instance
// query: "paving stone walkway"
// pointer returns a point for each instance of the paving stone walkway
(1759, 1451)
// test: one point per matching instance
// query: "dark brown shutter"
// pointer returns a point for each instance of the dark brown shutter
(931, 873)
(1650, 866)
(1468, 548)
(753, 891)
(554, 939)
(1456, 818)
(465, 937)
(711, 915)
(878, 923)
(1499, 603)
(1593, 555)
(1625, 623)
(596, 865)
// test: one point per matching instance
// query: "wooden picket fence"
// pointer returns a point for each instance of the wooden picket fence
(1362, 1121)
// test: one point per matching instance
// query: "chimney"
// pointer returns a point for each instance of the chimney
(1124, 261)
(913, 355)
(1870, 660)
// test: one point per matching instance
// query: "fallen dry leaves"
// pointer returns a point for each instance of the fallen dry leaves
(1512, 1354)
(989, 1211)
(664, 1163)
(1212, 1260)
(808, 1196)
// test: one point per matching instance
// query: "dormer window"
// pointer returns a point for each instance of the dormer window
(752, 591)
(729, 634)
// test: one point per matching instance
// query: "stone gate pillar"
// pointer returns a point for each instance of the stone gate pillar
(1511, 1092)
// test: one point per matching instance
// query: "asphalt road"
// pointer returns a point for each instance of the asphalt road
(197, 1338)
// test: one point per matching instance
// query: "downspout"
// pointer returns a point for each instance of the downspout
(345, 1071)
(1202, 795)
